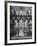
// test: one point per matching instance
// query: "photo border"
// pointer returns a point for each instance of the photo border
(6, 22)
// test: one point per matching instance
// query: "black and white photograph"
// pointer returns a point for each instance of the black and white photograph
(20, 25)
(20, 22)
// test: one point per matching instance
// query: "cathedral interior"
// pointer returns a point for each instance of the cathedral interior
(20, 22)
